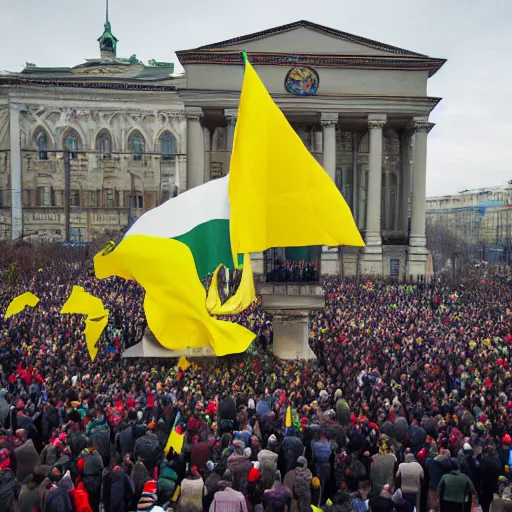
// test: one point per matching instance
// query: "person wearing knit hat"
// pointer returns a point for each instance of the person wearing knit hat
(148, 499)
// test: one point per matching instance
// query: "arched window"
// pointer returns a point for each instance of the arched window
(41, 140)
(72, 144)
(104, 144)
(168, 145)
(137, 145)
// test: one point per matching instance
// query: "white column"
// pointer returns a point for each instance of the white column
(372, 257)
(417, 255)
(329, 122)
(16, 180)
(330, 263)
(373, 217)
(195, 147)
(318, 141)
(207, 152)
(355, 177)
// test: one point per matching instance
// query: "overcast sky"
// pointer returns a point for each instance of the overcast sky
(471, 145)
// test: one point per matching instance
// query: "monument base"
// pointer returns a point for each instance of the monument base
(291, 336)
(290, 305)
(149, 347)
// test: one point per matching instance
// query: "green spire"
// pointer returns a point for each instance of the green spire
(108, 42)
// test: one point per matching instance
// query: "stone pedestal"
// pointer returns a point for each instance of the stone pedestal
(291, 336)
(149, 347)
(371, 261)
(416, 258)
(290, 305)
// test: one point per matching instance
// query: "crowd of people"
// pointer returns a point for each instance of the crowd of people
(409, 405)
(293, 271)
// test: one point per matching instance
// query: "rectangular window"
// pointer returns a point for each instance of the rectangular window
(110, 198)
(4, 197)
(394, 267)
(44, 196)
(74, 198)
(215, 170)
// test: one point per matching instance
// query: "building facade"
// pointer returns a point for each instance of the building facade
(113, 137)
(480, 218)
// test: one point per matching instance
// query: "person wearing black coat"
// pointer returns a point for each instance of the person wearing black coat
(124, 440)
(490, 471)
(92, 475)
(117, 490)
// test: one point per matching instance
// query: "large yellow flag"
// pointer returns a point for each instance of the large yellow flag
(279, 194)
(81, 302)
(19, 303)
(241, 300)
(175, 300)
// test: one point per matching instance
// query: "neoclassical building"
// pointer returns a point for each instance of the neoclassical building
(137, 134)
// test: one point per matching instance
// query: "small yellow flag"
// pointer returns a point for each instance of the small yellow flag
(184, 363)
(82, 303)
(19, 303)
(175, 442)
(288, 422)
(316, 509)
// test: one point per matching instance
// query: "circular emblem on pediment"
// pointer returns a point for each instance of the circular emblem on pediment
(302, 81)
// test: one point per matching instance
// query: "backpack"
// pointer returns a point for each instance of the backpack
(357, 469)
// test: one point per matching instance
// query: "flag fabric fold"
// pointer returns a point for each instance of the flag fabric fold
(19, 303)
(175, 300)
(81, 302)
(279, 194)
(241, 300)
(167, 251)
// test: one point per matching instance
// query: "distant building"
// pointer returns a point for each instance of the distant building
(482, 218)
(138, 134)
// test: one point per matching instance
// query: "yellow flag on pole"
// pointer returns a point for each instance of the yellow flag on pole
(175, 442)
(19, 303)
(183, 363)
(279, 194)
(288, 422)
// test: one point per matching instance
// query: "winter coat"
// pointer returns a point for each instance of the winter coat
(291, 449)
(239, 465)
(27, 460)
(302, 488)
(117, 491)
(166, 484)
(93, 468)
(268, 467)
(140, 475)
(343, 413)
(77, 442)
(100, 438)
(49, 421)
(59, 500)
(124, 441)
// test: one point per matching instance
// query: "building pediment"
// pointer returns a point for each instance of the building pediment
(308, 38)
(307, 44)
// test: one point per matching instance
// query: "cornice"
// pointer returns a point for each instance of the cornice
(79, 84)
(234, 58)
